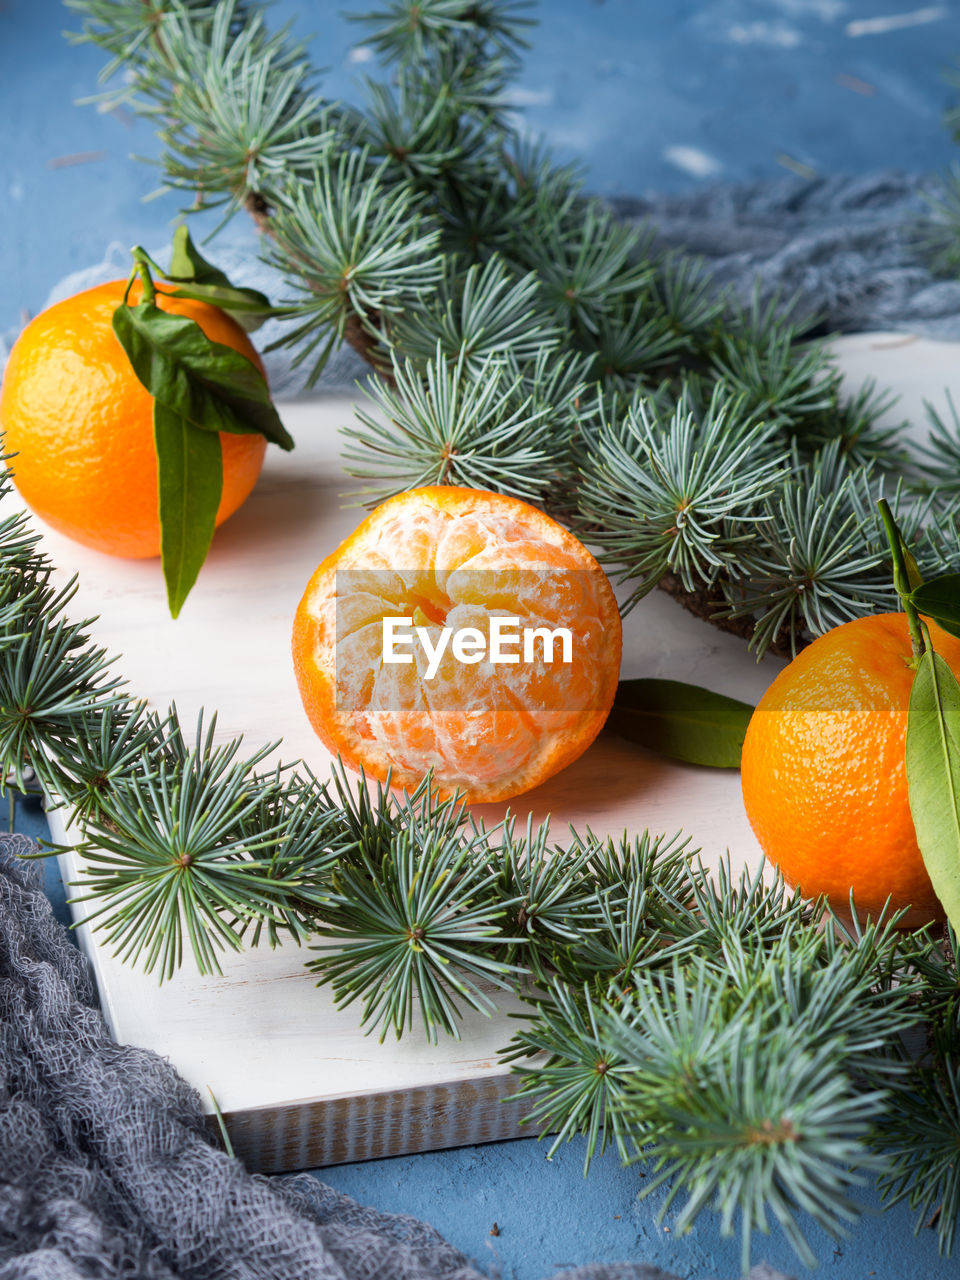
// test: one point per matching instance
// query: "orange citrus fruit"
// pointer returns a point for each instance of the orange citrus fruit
(488, 717)
(81, 423)
(823, 772)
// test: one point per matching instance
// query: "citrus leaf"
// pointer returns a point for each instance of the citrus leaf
(682, 721)
(187, 262)
(914, 576)
(246, 302)
(190, 481)
(939, 599)
(214, 387)
(933, 776)
(200, 279)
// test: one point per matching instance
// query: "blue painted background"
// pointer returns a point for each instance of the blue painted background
(647, 94)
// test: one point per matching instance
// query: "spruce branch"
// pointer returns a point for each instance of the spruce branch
(132, 32)
(585, 263)
(487, 432)
(430, 217)
(88, 767)
(852, 423)
(921, 1135)
(672, 1061)
(355, 250)
(640, 881)
(409, 32)
(633, 345)
(775, 382)
(168, 860)
(424, 133)
(755, 1121)
(297, 831)
(579, 1087)
(692, 305)
(551, 903)
(938, 236)
(750, 1043)
(414, 925)
(939, 461)
(745, 909)
(480, 313)
(50, 676)
(251, 122)
(681, 496)
(819, 557)
(20, 554)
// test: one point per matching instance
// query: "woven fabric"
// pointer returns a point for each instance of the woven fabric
(106, 1165)
(851, 251)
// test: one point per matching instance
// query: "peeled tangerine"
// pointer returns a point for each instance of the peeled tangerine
(462, 632)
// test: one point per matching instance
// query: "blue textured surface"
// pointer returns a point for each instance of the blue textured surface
(648, 95)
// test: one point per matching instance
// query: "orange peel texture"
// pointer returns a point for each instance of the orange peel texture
(81, 423)
(823, 772)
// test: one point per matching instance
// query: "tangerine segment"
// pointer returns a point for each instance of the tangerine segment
(456, 560)
(823, 772)
(81, 423)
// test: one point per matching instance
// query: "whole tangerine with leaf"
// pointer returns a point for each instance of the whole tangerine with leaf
(458, 633)
(824, 774)
(139, 414)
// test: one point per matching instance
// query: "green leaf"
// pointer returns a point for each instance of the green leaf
(210, 385)
(187, 262)
(914, 576)
(933, 776)
(682, 721)
(200, 279)
(248, 307)
(190, 475)
(939, 599)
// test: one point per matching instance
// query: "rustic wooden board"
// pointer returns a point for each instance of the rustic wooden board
(298, 1083)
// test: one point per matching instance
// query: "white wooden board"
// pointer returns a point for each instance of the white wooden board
(297, 1081)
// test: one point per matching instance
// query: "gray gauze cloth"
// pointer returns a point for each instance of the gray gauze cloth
(107, 1169)
(852, 251)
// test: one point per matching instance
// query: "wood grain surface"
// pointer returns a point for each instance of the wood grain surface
(298, 1083)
